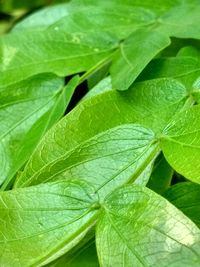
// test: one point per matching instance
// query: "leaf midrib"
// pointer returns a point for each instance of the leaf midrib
(133, 251)
(151, 226)
(58, 59)
(68, 153)
(50, 229)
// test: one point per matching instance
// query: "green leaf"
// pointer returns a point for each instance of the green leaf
(43, 222)
(189, 51)
(144, 177)
(186, 197)
(153, 5)
(36, 21)
(188, 27)
(134, 54)
(180, 143)
(186, 69)
(37, 103)
(120, 20)
(38, 51)
(161, 176)
(4, 26)
(196, 90)
(99, 159)
(144, 30)
(95, 119)
(98, 75)
(140, 228)
(101, 87)
(63, 101)
(145, 43)
(22, 107)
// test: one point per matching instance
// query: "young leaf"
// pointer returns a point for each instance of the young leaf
(150, 103)
(180, 143)
(186, 197)
(43, 222)
(140, 228)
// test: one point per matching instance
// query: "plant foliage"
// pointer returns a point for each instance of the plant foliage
(95, 186)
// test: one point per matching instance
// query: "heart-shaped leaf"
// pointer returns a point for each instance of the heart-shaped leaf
(140, 228)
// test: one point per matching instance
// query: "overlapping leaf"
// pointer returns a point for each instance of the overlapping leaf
(107, 160)
(139, 228)
(134, 54)
(31, 53)
(41, 223)
(104, 147)
(119, 17)
(109, 139)
(186, 197)
(22, 105)
(185, 67)
(170, 24)
(28, 109)
(181, 143)
(80, 49)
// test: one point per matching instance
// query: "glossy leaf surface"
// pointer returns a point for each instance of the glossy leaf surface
(23, 107)
(140, 228)
(181, 143)
(55, 217)
(107, 160)
(38, 52)
(146, 23)
(98, 116)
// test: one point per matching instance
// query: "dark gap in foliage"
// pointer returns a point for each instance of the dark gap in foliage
(79, 93)
(68, 78)
(177, 178)
(5, 16)
(177, 44)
